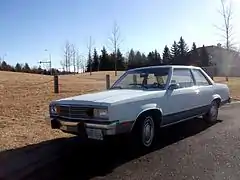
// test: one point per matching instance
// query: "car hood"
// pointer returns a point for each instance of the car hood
(108, 96)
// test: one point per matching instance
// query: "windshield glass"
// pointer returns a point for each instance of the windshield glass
(143, 79)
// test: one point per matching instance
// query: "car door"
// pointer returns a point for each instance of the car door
(180, 102)
(205, 90)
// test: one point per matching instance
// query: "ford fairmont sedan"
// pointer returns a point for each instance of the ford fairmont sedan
(140, 102)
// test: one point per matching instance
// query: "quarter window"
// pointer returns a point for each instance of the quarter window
(200, 78)
(183, 77)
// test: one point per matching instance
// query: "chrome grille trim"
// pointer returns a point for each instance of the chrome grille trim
(74, 111)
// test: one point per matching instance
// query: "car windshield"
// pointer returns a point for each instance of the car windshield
(146, 78)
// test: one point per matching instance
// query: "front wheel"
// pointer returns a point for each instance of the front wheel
(212, 114)
(145, 132)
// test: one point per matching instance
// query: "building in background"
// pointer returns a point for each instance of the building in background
(226, 63)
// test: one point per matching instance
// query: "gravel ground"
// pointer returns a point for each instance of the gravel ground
(190, 150)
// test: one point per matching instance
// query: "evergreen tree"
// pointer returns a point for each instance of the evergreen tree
(18, 67)
(138, 60)
(194, 56)
(4, 66)
(111, 62)
(104, 60)
(166, 56)
(183, 52)
(150, 58)
(155, 58)
(89, 63)
(144, 60)
(26, 68)
(182, 46)
(120, 61)
(194, 46)
(174, 52)
(204, 56)
(95, 64)
(131, 60)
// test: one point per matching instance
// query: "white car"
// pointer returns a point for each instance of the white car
(140, 102)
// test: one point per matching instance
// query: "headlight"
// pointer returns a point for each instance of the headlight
(53, 109)
(102, 113)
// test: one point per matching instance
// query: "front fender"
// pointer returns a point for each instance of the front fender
(145, 108)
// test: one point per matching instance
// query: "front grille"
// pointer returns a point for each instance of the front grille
(75, 112)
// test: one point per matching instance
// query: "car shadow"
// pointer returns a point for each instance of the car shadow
(85, 160)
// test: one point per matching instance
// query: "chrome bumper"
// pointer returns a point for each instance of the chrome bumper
(229, 100)
(112, 128)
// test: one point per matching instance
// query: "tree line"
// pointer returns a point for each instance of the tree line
(177, 54)
(4, 66)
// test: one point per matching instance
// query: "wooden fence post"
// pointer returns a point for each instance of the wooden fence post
(107, 81)
(56, 86)
(226, 78)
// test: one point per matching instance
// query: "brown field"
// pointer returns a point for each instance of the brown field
(24, 100)
(233, 84)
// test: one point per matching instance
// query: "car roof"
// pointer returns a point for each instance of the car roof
(166, 66)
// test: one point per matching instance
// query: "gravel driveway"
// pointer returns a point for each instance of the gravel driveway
(190, 150)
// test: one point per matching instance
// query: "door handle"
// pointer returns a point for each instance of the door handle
(197, 91)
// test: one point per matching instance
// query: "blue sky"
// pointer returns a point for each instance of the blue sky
(27, 27)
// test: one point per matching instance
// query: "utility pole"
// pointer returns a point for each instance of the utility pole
(48, 62)
(4, 55)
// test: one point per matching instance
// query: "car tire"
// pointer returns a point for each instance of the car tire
(212, 114)
(144, 133)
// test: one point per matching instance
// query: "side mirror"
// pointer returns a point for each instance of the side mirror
(173, 86)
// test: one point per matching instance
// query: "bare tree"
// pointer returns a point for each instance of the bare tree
(63, 64)
(67, 56)
(79, 62)
(83, 63)
(227, 27)
(115, 42)
(89, 46)
(73, 57)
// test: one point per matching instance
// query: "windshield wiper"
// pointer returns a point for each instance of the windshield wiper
(157, 85)
(116, 87)
(141, 85)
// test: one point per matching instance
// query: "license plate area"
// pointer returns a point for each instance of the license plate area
(96, 134)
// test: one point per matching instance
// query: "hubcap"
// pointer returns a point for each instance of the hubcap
(148, 131)
(214, 110)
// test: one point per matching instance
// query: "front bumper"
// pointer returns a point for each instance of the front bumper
(83, 127)
(229, 100)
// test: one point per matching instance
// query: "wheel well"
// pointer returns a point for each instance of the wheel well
(218, 100)
(157, 116)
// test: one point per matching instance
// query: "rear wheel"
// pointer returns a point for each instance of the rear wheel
(212, 114)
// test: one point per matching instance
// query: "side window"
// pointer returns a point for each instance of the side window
(183, 77)
(200, 78)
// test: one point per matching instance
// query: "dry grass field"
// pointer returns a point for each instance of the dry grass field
(24, 100)
(233, 84)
